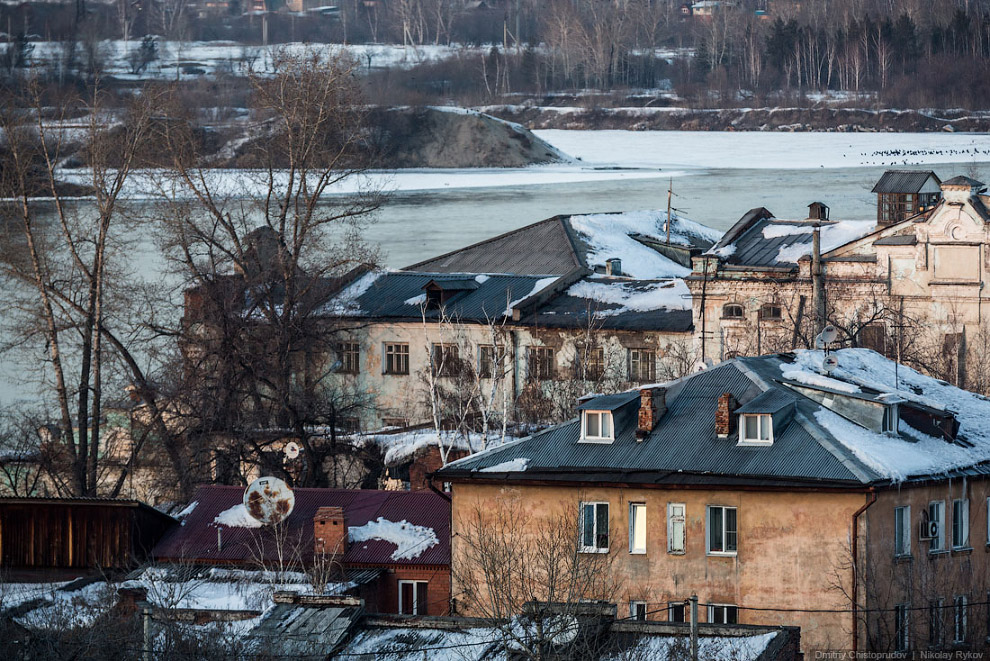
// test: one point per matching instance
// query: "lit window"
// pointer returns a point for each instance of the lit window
(637, 610)
(960, 613)
(756, 429)
(721, 530)
(597, 426)
(412, 597)
(902, 530)
(675, 528)
(901, 627)
(637, 527)
(960, 524)
(594, 527)
(936, 519)
(718, 614)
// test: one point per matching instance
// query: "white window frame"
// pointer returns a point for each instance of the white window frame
(415, 596)
(671, 605)
(902, 521)
(594, 535)
(672, 519)
(725, 613)
(762, 419)
(963, 520)
(937, 545)
(395, 354)
(960, 613)
(632, 611)
(902, 627)
(634, 549)
(585, 437)
(708, 530)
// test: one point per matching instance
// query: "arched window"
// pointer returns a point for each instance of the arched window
(732, 311)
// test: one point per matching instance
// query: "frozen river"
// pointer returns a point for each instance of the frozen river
(716, 178)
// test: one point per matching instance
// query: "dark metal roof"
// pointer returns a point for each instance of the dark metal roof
(304, 631)
(454, 284)
(753, 249)
(195, 540)
(770, 401)
(897, 240)
(609, 402)
(544, 248)
(684, 445)
(904, 181)
(85, 501)
(963, 181)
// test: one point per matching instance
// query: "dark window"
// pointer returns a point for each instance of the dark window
(637, 610)
(445, 359)
(642, 365)
(936, 623)
(676, 611)
(594, 527)
(348, 425)
(395, 422)
(541, 363)
(960, 615)
(721, 529)
(771, 312)
(591, 364)
(412, 598)
(487, 359)
(733, 311)
(397, 358)
(723, 615)
(349, 355)
(901, 627)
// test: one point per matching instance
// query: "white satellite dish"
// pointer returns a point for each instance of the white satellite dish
(269, 500)
(291, 450)
(829, 334)
(819, 342)
(830, 363)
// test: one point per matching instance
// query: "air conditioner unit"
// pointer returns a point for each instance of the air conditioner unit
(933, 529)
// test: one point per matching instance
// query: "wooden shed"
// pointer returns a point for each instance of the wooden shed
(77, 533)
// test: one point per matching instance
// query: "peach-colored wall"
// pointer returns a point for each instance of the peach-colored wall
(790, 545)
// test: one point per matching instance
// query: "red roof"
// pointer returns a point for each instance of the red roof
(195, 538)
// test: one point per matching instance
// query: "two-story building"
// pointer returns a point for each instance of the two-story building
(780, 489)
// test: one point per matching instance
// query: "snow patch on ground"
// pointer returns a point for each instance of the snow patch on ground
(516, 465)
(410, 540)
(236, 517)
(670, 295)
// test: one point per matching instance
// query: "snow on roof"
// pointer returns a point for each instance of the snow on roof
(410, 540)
(345, 303)
(669, 295)
(608, 236)
(187, 511)
(540, 285)
(715, 648)
(891, 455)
(236, 517)
(833, 235)
(516, 465)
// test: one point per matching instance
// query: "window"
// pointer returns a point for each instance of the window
(637, 527)
(902, 531)
(959, 615)
(637, 610)
(960, 524)
(676, 611)
(642, 365)
(732, 311)
(486, 361)
(901, 639)
(348, 425)
(349, 355)
(396, 358)
(594, 527)
(412, 598)
(675, 527)
(770, 312)
(936, 623)
(591, 364)
(395, 422)
(723, 614)
(721, 530)
(597, 426)
(445, 359)
(936, 515)
(541, 363)
(756, 429)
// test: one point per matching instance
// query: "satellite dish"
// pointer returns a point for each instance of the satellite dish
(829, 364)
(819, 342)
(291, 450)
(829, 334)
(269, 500)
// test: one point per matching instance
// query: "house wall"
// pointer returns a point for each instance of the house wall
(792, 548)
(923, 576)
(384, 596)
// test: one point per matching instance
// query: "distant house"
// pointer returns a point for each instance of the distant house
(905, 193)
(395, 545)
(753, 483)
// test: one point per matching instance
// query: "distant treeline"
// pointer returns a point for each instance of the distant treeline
(905, 53)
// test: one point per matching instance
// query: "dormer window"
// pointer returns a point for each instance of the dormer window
(732, 311)
(596, 427)
(756, 429)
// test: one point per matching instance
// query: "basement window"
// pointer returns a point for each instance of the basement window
(756, 429)
(596, 427)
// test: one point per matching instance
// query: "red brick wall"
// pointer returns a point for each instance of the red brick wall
(437, 592)
(427, 461)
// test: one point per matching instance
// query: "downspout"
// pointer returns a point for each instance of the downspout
(855, 558)
(513, 335)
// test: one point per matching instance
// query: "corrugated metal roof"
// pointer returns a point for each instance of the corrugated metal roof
(304, 631)
(195, 540)
(770, 401)
(685, 440)
(544, 247)
(963, 181)
(609, 402)
(897, 240)
(903, 181)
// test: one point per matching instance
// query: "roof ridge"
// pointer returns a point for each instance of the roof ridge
(847, 459)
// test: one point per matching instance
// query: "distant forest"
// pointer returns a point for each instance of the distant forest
(878, 53)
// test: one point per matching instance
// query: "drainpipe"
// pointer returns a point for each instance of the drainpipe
(514, 336)
(855, 558)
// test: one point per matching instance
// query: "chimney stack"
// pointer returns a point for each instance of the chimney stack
(652, 406)
(725, 421)
(329, 531)
(613, 266)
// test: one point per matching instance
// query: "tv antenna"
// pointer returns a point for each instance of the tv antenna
(269, 500)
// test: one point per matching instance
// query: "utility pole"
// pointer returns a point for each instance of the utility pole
(146, 645)
(694, 627)
(670, 193)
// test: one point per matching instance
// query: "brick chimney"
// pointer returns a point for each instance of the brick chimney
(329, 531)
(725, 421)
(652, 406)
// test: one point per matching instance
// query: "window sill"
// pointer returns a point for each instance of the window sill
(637, 553)
(396, 374)
(900, 559)
(591, 550)
(962, 550)
(939, 552)
(675, 552)
(596, 439)
(754, 444)
(722, 554)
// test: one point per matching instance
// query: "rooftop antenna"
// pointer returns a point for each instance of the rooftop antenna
(269, 500)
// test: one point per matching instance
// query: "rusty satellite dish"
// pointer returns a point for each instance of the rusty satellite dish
(269, 500)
